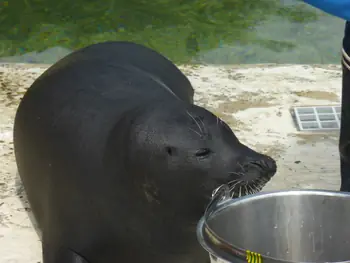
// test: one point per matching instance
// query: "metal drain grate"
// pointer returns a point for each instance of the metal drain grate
(317, 118)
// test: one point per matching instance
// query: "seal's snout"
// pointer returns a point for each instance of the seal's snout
(265, 167)
(268, 165)
(253, 174)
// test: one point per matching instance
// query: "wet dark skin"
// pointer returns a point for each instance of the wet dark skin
(118, 163)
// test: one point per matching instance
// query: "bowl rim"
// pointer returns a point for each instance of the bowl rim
(209, 239)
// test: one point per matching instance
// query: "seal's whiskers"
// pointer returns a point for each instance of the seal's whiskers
(195, 132)
(242, 167)
(199, 127)
(233, 184)
(239, 174)
(257, 187)
(203, 125)
(241, 187)
(251, 189)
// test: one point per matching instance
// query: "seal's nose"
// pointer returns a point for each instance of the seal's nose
(269, 165)
(264, 165)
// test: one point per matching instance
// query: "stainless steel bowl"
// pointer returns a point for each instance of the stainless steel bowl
(283, 226)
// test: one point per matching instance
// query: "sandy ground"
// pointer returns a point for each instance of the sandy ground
(254, 100)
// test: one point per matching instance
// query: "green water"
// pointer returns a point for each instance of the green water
(186, 31)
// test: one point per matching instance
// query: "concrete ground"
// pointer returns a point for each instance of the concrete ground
(255, 100)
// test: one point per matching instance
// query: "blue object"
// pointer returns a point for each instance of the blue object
(339, 8)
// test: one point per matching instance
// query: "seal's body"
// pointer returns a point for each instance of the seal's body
(118, 164)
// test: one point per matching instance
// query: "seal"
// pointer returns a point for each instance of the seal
(117, 162)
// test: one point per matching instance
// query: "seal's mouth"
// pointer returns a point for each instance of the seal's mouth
(252, 177)
(249, 178)
(240, 188)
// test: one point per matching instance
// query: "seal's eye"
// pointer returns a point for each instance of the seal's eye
(204, 152)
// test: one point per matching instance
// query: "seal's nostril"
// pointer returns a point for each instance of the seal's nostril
(267, 164)
(271, 164)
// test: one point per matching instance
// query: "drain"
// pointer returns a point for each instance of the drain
(317, 118)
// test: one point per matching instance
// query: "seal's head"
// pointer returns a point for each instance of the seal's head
(184, 152)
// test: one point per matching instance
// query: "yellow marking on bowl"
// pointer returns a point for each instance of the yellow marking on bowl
(253, 257)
